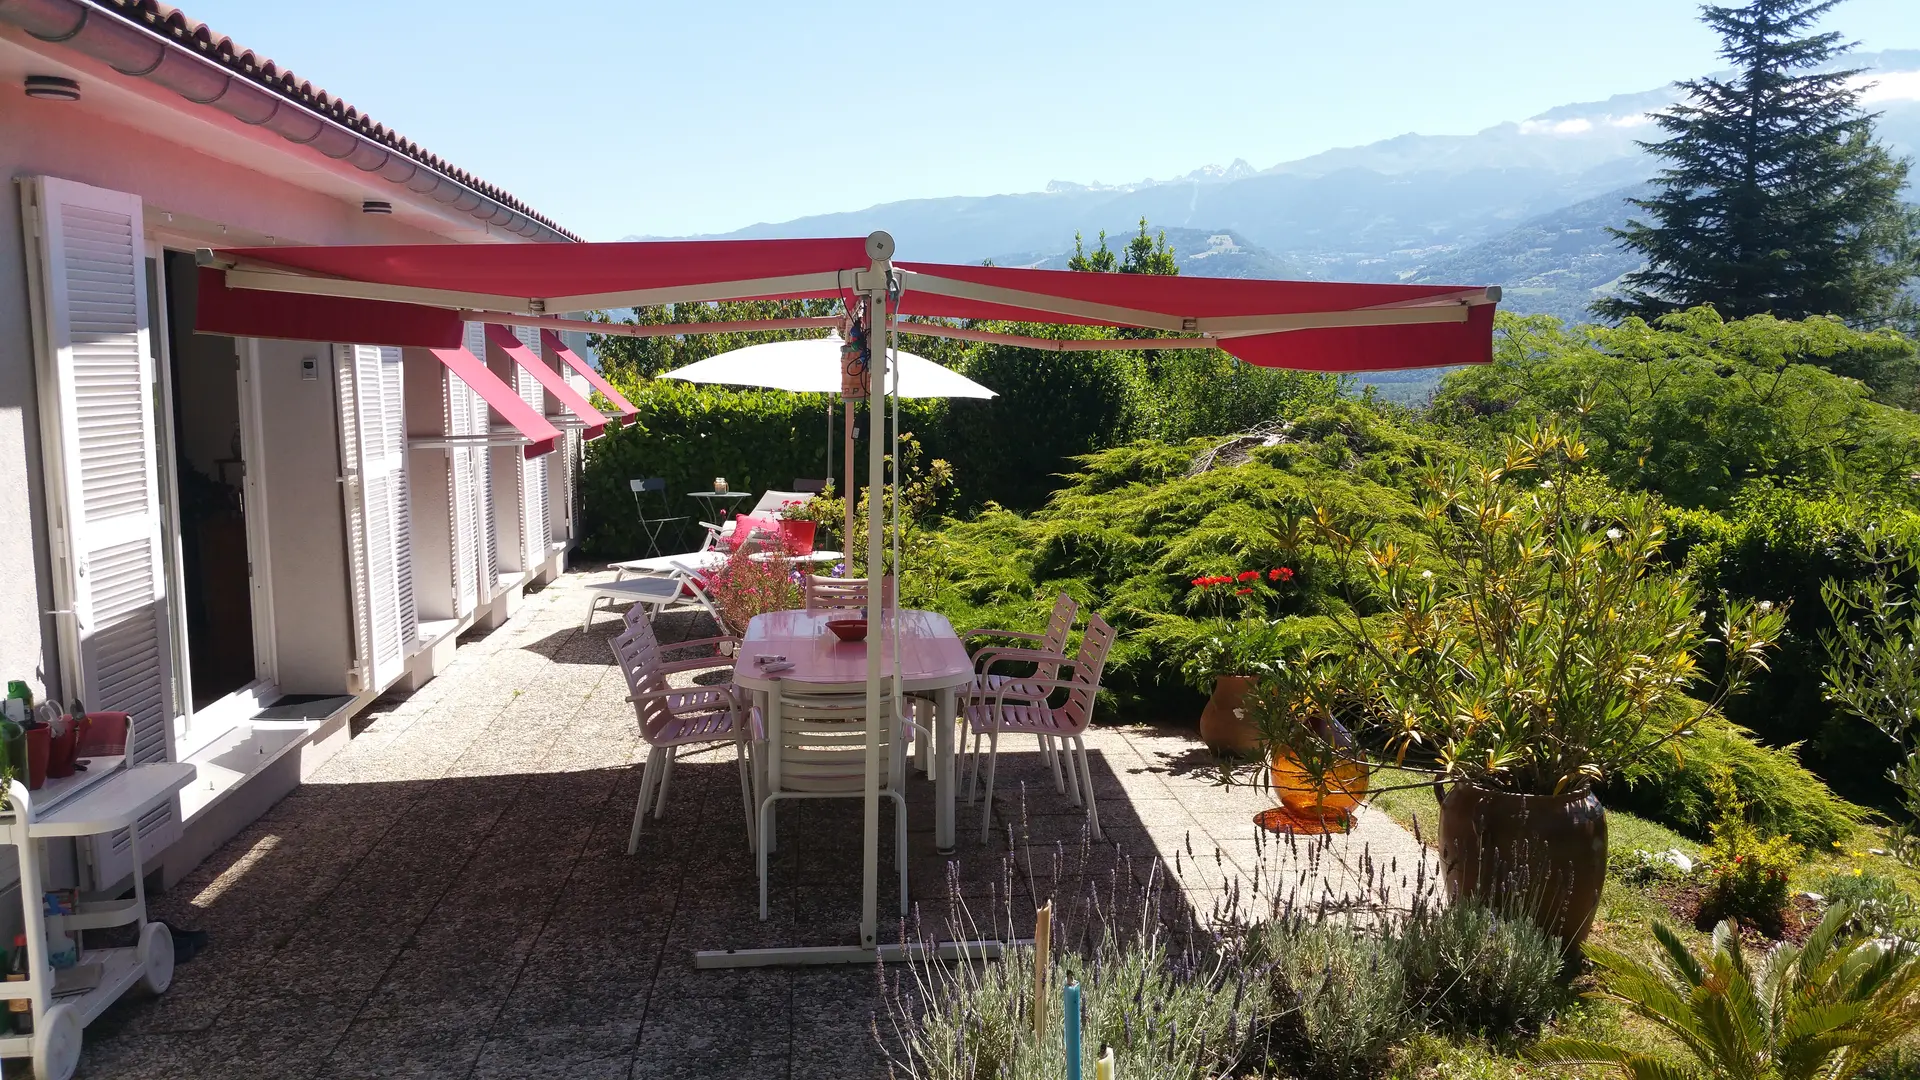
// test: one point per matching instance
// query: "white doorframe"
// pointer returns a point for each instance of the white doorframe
(169, 462)
(253, 442)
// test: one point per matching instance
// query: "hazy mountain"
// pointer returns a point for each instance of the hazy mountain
(1520, 204)
(1202, 253)
(1556, 264)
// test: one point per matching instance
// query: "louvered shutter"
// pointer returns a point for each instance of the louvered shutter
(489, 529)
(464, 550)
(373, 428)
(535, 517)
(96, 387)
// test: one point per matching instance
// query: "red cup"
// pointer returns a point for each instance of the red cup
(39, 742)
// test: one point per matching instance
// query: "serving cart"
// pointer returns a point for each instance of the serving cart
(106, 799)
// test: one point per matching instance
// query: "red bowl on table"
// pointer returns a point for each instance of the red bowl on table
(848, 629)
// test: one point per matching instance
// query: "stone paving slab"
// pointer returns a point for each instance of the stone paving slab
(450, 895)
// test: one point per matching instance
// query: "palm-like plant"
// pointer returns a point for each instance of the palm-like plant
(1817, 1011)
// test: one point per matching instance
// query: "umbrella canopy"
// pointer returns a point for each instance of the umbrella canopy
(812, 366)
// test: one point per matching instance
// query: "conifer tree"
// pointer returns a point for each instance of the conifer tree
(1775, 197)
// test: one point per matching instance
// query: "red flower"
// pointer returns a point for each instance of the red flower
(1201, 582)
(1249, 575)
(1243, 592)
(1280, 573)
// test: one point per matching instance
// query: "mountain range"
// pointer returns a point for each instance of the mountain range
(1524, 204)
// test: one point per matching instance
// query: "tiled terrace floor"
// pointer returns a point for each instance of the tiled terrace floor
(450, 896)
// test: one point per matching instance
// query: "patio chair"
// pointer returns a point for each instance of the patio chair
(810, 487)
(1053, 642)
(674, 717)
(841, 594)
(652, 526)
(653, 593)
(1006, 711)
(770, 506)
(814, 746)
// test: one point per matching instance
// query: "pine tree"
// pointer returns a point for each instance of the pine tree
(1775, 197)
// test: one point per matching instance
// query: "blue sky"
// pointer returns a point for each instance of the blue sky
(620, 118)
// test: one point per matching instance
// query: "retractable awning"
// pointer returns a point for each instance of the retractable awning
(628, 414)
(539, 432)
(1308, 325)
(244, 313)
(547, 279)
(590, 418)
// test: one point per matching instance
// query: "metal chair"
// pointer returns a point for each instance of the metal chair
(652, 526)
(671, 718)
(1053, 643)
(842, 594)
(1009, 709)
(810, 487)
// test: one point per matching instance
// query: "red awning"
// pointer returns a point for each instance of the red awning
(548, 279)
(1310, 325)
(253, 313)
(628, 414)
(540, 434)
(517, 350)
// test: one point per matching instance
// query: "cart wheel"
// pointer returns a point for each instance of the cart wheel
(56, 1046)
(156, 957)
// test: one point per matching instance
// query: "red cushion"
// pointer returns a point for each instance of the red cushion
(744, 529)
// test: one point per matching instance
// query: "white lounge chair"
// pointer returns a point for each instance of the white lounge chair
(656, 593)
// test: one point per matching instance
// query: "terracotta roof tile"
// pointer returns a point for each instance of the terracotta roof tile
(170, 22)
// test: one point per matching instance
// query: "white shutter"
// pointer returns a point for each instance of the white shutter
(535, 517)
(373, 430)
(489, 529)
(96, 391)
(464, 549)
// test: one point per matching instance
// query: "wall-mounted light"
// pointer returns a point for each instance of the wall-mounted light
(52, 88)
(376, 206)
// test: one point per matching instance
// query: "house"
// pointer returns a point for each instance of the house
(242, 539)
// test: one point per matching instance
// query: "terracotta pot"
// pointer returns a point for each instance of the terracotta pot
(1541, 855)
(1224, 732)
(1344, 787)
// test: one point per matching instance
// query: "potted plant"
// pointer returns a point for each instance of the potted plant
(1529, 644)
(1231, 650)
(756, 578)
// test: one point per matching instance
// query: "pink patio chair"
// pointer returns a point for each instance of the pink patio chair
(674, 717)
(1009, 710)
(842, 594)
(1054, 642)
(814, 746)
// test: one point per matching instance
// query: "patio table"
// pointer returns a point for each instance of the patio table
(932, 660)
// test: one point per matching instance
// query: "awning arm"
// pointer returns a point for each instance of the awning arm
(806, 322)
(1053, 344)
(1442, 308)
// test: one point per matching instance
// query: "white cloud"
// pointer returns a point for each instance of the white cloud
(1556, 127)
(1890, 86)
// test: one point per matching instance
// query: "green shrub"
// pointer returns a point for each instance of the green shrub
(1472, 972)
(1782, 796)
(1340, 999)
(1878, 901)
(1747, 868)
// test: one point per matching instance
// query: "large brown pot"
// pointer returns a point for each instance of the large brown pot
(1542, 855)
(1224, 725)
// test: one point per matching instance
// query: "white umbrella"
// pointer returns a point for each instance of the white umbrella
(812, 366)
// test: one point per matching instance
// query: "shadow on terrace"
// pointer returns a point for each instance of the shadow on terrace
(450, 896)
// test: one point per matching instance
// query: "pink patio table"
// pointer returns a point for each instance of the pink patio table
(932, 660)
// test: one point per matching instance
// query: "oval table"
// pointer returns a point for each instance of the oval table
(932, 661)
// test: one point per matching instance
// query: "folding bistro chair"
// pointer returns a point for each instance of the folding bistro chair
(653, 526)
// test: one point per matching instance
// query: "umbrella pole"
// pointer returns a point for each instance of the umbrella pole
(848, 491)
